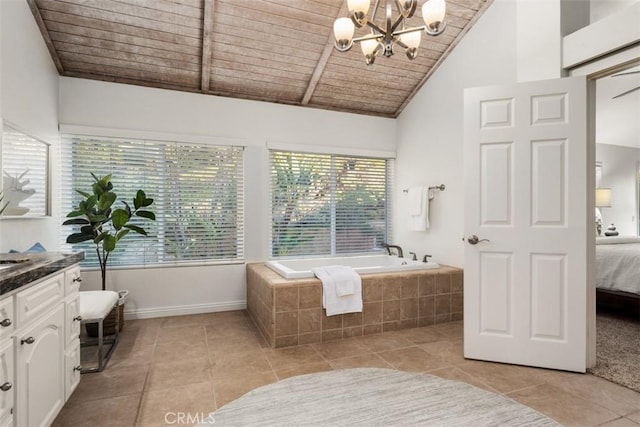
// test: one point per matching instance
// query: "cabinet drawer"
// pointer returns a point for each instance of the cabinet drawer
(38, 299)
(72, 280)
(7, 318)
(71, 320)
(72, 368)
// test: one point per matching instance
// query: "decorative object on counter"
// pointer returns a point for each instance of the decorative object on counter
(15, 192)
(603, 200)
(611, 231)
(36, 248)
(104, 225)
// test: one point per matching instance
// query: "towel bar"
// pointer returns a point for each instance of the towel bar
(440, 187)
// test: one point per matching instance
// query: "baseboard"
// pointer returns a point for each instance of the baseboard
(182, 310)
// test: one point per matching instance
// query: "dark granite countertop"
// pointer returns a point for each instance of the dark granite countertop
(20, 269)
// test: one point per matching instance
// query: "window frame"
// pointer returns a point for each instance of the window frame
(70, 132)
(389, 159)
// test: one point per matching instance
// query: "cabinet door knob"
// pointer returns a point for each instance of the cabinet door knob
(77, 368)
(5, 323)
(6, 386)
(29, 340)
(77, 318)
(77, 279)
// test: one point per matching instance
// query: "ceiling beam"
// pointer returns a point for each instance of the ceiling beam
(444, 55)
(322, 62)
(207, 41)
(45, 35)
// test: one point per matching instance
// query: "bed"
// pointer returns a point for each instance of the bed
(618, 273)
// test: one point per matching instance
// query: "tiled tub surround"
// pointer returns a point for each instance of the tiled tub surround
(289, 312)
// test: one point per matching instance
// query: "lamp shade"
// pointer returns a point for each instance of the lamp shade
(433, 12)
(603, 197)
(343, 29)
(368, 46)
(412, 39)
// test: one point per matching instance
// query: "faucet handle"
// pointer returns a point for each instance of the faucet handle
(426, 258)
(414, 257)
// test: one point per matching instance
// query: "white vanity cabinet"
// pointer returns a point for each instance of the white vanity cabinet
(40, 370)
(39, 356)
(7, 365)
(6, 382)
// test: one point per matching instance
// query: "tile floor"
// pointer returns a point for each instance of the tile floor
(195, 364)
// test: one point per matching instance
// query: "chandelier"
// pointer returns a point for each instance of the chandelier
(382, 39)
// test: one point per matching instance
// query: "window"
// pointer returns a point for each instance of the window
(197, 191)
(328, 204)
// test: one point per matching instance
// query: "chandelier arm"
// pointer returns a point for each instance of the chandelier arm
(401, 44)
(406, 13)
(367, 37)
(410, 30)
(376, 28)
(396, 23)
(375, 9)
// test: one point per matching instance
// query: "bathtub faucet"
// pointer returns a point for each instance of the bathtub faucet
(396, 247)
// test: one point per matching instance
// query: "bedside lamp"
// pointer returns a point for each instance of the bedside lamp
(603, 200)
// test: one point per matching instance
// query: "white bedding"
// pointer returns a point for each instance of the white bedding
(618, 265)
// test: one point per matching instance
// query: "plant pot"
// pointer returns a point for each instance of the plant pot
(109, 322)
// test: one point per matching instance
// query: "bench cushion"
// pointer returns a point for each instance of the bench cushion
(96, 304)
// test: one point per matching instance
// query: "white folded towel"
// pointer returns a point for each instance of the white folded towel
(344, 278)
(341, 289)
(415, 200)
(420, 221)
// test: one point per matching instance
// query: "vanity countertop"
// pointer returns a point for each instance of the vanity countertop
(21, 269)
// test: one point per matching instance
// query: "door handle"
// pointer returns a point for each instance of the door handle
(474, 240)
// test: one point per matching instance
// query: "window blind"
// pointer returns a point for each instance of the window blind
(326, 204)
(197, 191)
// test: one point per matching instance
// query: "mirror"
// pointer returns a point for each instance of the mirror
(25, 174)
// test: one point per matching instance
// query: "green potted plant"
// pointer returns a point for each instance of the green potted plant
(106, 225)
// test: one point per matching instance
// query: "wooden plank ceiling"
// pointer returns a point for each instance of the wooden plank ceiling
(269, 50)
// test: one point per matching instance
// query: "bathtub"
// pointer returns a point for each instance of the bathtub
(301, 268)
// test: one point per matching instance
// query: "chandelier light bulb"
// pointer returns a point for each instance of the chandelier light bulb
(433, 12)
(412, 39)
(368, 46)
(343, 29)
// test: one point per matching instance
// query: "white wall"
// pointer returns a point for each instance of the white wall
(603, 8)
(538, 33)
(430, 132)
(159, 291)
(619, 165)
(29, 100)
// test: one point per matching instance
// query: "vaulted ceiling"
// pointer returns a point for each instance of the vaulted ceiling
(269, 50)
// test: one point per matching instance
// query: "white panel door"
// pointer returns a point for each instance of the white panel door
(525, 272)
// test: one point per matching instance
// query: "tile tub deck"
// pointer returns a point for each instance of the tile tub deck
(288, 312)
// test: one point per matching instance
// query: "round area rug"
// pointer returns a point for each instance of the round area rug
(374, 397)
